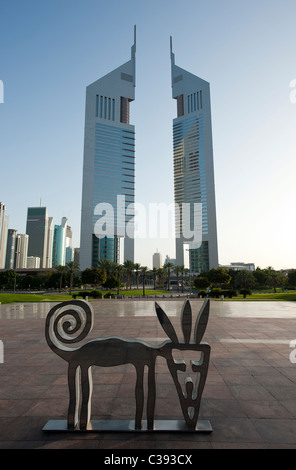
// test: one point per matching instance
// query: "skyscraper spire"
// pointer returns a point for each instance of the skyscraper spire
(109, 166)
(193, 168)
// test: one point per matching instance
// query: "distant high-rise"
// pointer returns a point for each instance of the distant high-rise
(69, 248)
(21, 250)
(157, 260)
(3, 235)
(109, 166)
(10, 251)
(193, 165)
(59, 244)
(39, 229)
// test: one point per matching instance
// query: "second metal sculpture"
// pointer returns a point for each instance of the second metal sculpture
(69, 323)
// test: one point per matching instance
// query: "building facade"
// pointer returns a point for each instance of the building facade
(59, 244)
(39, 229)
(239, 266)
(10, 248)
(69, 247)
(157, 260)
(109, 168)
(21, 251)
(193, 168)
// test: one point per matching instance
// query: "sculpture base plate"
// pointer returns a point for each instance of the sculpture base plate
(203, 426)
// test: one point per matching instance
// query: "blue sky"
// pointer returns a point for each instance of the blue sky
(50, 52)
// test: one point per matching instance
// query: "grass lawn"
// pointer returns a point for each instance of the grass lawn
(10, 298)
(270, 296)
(279, 296)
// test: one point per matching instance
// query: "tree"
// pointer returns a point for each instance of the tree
(201, 282)
(73, 268)
(62, 271)
(154, 272)
(275, 278)
(129, 266)
(8, 278)
(292, 277)
(118, 272)
(94, 276)
(107, 266)
(260, 276)
(217, 276)
(144, 270)
(177, 270)
(167, 266)
(111, 282)
(183, 271)
(244, 280)
(137, 268)
(161, 273)
(245, 292)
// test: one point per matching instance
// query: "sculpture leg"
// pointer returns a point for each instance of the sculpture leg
(139, 392)
(86, 385)
(151, 396)
(74, 394)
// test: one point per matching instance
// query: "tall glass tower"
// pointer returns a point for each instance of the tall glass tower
(109, 166)
(193, 166)
(39, 229)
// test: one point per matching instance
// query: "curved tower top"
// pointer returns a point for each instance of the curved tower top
(193, 167)
(109, 166)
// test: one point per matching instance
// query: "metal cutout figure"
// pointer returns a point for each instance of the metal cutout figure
(69, 323)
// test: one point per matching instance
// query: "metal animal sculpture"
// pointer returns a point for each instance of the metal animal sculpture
(69, 323)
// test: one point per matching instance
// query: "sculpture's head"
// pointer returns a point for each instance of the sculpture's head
(187, 360)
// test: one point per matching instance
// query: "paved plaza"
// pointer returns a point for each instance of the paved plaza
(249, 397)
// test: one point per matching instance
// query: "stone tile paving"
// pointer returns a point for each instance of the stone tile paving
(249, 397)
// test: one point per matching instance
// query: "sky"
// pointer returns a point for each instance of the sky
(51, 51)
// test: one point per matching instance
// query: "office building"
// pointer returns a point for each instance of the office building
(109, 168)
(239, 266)
(39, 229)
(59, 244)
(48, 263)
(10, 248)
(169, 260)
(69, 248)
(21, 250)
(3, 235)
(33, 262)
(193, 167)
(157, 260)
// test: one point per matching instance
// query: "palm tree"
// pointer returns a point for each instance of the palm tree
(137, 268)
(177, 270)
(129, 266)
(182, 271)
(118, 271)
(62, 270)
(144, 269)
(168, 267)
(107, 266)
(161, 276)
(72, 267)
(154, 271)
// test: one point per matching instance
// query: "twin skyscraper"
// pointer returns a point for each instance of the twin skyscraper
(109, 168)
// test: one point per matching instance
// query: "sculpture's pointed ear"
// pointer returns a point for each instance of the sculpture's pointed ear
(166, 324)
(186, 321)
(201, 322)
